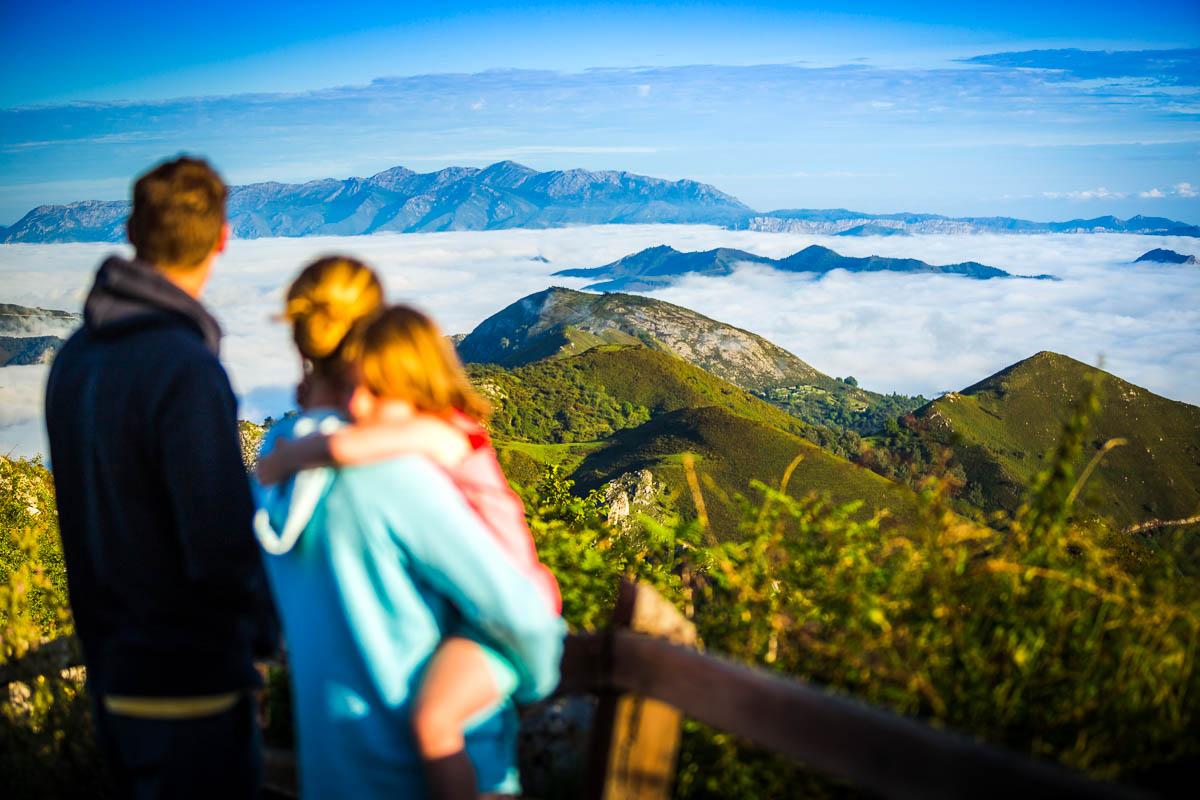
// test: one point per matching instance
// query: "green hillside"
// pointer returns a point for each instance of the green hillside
(561, 323)
(613, 410)
(733, 450)
(1001, 428)
(606, 389)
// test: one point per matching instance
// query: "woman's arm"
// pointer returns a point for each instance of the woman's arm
(460, 559)
(363, 444)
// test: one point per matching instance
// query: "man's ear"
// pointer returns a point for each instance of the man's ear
(223, 239)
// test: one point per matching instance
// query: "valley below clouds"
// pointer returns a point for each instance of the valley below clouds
(910, 333)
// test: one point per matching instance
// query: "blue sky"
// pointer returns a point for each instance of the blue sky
(920, 107)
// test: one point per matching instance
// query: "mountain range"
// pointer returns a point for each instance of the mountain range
(839, 221)
(504, 195)
(510, 195)
(657, 267)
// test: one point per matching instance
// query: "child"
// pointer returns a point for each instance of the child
(400, 356)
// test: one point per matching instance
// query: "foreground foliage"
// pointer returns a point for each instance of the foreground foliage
(46, 747)
(1040, 632)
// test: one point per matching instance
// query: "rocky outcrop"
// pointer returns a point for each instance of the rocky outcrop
(631, 496)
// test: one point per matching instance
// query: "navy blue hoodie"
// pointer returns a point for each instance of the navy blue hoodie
(166, 581)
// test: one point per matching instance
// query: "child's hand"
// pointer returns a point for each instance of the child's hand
(277, 465)
(289, 456)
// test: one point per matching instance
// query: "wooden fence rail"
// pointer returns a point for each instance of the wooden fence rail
(648, 655)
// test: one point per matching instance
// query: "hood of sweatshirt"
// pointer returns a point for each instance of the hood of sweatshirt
(285, 509)
(128, 294)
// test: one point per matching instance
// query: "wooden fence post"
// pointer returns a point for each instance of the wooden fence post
(635, 739)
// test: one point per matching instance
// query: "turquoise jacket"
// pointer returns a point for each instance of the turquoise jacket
(371, 567)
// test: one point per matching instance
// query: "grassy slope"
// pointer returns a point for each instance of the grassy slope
(525, 462)
(1002, 427)
(733, 450)
(576, 394)
(737, 436)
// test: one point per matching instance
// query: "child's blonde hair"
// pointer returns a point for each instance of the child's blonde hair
(323, 304)
(401, 354)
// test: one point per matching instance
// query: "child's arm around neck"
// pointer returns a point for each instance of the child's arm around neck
(364, 443)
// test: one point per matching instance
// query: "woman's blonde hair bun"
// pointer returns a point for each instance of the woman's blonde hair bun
(326, 300)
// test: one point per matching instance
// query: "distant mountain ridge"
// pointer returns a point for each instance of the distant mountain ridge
(503, 195)
(511, 195)
(658, 267)
(839, 221)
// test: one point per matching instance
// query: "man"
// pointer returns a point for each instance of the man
(166, 582)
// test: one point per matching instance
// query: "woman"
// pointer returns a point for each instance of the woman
(374, 567)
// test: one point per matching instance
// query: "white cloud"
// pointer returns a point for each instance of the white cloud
(908, 333)
(1178, 190)
(1099, 193)
(643, 90)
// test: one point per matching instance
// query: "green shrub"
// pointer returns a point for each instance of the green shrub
(1037, 633)
(46, 746)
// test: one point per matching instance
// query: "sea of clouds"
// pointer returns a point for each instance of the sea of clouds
(909, 333)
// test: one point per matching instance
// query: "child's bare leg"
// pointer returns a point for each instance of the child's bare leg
(457, 685)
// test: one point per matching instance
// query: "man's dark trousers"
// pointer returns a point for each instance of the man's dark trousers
(217, 756)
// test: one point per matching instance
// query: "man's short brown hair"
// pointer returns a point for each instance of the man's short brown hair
(178, 213)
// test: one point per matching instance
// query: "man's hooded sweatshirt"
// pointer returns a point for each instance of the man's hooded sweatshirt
(166, 581)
